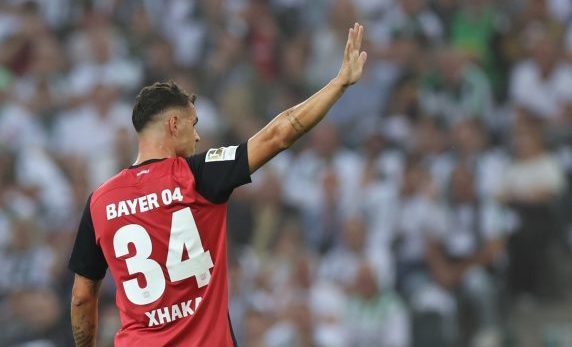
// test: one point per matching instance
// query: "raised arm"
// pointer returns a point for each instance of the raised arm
(291, 124)
(85, 295)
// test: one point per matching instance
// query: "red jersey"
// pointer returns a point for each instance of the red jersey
(160, 227)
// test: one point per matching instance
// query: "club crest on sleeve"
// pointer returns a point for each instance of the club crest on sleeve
(221, 154)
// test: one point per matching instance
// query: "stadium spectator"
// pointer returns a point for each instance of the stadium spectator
(323, 184)
(458, 91)
(374, 316)
(472, 147)
(467, 258)
(477, 29)
(531, 185)
(341, 264)
(540, 83)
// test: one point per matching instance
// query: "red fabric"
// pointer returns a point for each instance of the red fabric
(209, 325)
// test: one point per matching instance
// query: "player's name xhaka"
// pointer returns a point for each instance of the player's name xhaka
(171, 313)
(143, 203)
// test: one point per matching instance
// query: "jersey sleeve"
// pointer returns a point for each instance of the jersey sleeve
(219, 171)
(87, 258)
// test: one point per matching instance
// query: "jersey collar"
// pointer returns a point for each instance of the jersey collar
(146, 162)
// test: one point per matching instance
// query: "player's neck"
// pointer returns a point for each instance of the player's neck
(153, 148)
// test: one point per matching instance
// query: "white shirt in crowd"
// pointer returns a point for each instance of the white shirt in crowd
(526, 178)
(546, 97)
(303, 186)
(74, 135)
(470, 226)
(19, 128)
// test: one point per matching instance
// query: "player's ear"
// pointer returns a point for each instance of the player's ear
(172, 124)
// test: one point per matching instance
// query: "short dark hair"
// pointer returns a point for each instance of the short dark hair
(157, 98)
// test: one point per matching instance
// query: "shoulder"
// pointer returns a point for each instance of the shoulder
(219, 170)
(107, 186)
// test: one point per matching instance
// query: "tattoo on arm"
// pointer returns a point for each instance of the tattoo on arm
(84, 311)
(81, 337)
(295, 123)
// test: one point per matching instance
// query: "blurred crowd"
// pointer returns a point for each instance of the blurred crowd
(431, 201)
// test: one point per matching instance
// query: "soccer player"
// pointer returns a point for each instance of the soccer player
(160, 225)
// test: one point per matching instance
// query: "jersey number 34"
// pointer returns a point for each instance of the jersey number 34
(184, 234)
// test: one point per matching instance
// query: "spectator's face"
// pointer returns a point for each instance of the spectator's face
(140, 22)
(104, 96)
(7, 170)
(46, 57)
(546, 54)
(451, 66)
(406, 52)
(407, 99)
(101, 42)
(342, 15)
(374, 145)
(214, 9)
(330, 186)
(428, 138)
(413, 178)
(325, 139)
(354, 234)
(293, 60)
(468, 138)
(23, 236)
(303, 276)
(462, 185)
(475, 6)
(366, 285)
(527, 144)
(537, 8)
(412, 7)
(300, 314)
(269, 192)
(32, 22)
(160, 56)
(255, 325)
(288, 243)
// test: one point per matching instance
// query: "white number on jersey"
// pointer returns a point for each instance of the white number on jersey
(184, 235)
(140, 262)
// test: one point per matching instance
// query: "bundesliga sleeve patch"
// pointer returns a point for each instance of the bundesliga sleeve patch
(221, 154)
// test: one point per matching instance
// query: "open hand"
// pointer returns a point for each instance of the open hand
(354, 60)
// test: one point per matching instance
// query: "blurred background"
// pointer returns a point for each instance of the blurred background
(432, 207)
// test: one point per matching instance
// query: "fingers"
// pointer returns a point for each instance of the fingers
(348, 45)
(359, 37)
(354, 31)
(355, 37)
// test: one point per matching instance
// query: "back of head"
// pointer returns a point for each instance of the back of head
(156, 99)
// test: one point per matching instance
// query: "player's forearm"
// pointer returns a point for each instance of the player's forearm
(85, 294)
(291, 124)
(298, 120)
(84, 321)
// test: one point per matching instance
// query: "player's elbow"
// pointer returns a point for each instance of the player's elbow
(82, 298)
(276, 138)
(83, 294)
(79, 302)
(283, 143)
(283, 136)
